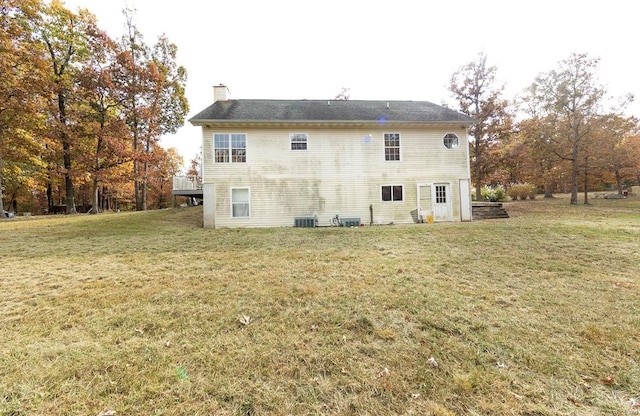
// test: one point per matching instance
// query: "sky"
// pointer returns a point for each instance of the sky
(380, 50)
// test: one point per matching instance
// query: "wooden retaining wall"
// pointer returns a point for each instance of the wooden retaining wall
(488, 210)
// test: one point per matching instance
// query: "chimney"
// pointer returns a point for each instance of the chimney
(220, 93)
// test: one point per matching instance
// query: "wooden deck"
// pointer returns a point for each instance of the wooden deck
(190, 186)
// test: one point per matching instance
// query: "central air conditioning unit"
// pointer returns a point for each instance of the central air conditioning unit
(305, 222)
(351, 222)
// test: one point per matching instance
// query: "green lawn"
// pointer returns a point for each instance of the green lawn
(150, 314)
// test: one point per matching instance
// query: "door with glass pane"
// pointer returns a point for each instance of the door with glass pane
(441, 199)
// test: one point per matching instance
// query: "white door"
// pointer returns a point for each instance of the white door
(441, 199)
(424, 202)
(465, 200)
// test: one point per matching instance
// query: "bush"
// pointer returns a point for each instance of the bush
(522, 191)
(492, 193)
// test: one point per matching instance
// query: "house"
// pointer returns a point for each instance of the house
(269, 163)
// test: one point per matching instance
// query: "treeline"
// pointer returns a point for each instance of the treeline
(81, 113)
(562, 134)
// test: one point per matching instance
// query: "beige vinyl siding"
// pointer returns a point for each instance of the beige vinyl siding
(341, 172)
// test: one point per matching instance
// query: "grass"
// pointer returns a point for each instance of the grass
(148, 313)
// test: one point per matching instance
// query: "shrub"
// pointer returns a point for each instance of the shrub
(492, 193)
(522, 191)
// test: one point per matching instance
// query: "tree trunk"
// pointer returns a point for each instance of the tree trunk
(136, 190)
(68, 181)
(586, 180)
(575, 172)
(70, 200)
(586, 184)
(145, 183)
(548, 182)
(95, 208)
(49, 195)
(137, 186)
(105, 200)
(136, 165)
(619, 181)
(66, 155)
(145, 186)
(548, 190)
(477, 169)
(96, 197)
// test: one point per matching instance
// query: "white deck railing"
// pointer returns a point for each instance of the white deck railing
(187, 183)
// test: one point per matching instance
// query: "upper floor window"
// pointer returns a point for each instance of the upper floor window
(392, 146)
(299, 141)
(450, 141)
(230, 148)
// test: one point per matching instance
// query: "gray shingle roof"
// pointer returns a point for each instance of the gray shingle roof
(328, 111)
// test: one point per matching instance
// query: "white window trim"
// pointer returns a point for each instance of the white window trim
(392, 200)
(231, 202)
(384, 146)
(230, 148)
(452, 148)
(298, 150)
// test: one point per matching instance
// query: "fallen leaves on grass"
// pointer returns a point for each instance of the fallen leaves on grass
(608, 380)
(384, 373)
(575, 401)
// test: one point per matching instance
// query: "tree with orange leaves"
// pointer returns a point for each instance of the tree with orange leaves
(154, 99)
(20, 69)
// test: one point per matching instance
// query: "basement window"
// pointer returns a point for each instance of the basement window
(240, 203)
(298, 141)
(392, 193)
(230, 148)
(450, 141)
